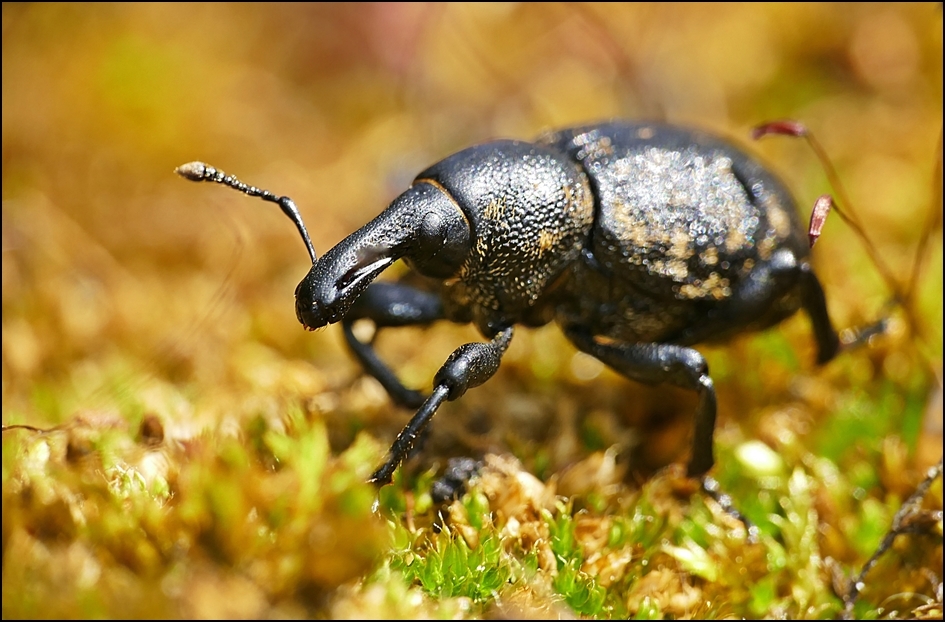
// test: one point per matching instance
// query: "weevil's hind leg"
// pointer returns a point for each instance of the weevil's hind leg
(828, 342)
(658, 363)
(754, 297)
(815, 305)
(390, 305)
(468, 366)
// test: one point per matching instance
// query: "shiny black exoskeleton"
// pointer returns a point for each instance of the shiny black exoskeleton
(639, 239)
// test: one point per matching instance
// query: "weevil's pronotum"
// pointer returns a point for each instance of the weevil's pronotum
(639, 239)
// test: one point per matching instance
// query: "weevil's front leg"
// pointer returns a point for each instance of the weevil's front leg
(468, 366)
(388, 305)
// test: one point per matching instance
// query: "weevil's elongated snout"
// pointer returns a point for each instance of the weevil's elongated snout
(424, 226)
(326, 293)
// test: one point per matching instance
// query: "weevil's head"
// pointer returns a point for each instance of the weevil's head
(423, 225)
(499, 222)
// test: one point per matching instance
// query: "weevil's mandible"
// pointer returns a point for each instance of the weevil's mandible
(640, 240)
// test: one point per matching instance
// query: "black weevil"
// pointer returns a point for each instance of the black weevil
(639, 239)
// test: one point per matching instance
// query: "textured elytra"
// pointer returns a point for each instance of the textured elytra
(683, 219)
(673, 214)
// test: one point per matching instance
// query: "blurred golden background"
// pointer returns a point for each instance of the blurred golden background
(114, 269)
(127, 290)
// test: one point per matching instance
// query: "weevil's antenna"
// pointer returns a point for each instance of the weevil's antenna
(198, 171)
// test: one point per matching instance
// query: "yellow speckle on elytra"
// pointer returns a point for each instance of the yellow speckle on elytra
(495, 210)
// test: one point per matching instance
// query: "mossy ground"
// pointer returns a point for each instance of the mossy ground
(197, 454)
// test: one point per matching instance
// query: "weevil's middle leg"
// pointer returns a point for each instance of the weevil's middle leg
(656, 363)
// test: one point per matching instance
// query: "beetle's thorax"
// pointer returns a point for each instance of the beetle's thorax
(531, 211)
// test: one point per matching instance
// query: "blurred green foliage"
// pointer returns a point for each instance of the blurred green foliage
(205, 457)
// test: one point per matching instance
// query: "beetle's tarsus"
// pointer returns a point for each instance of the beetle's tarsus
(853, 338)
(452, 484)
(710, 486)
(408, 436)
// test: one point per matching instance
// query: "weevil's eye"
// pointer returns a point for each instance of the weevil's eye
(442, 236)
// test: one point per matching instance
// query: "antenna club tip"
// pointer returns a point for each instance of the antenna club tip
(194, 171)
